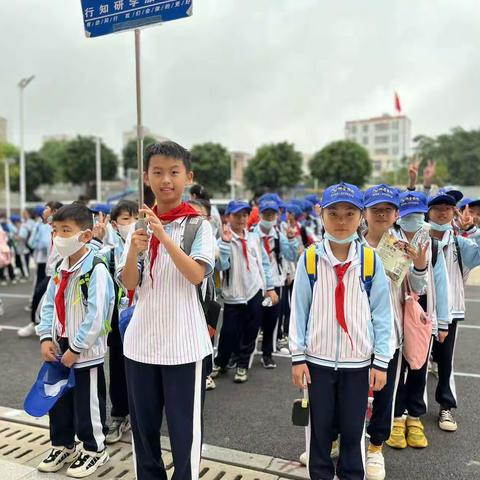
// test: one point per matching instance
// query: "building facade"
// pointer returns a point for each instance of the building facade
(387, 140)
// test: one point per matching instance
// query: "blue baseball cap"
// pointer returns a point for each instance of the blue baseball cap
(269, 205)
(104, 208)
(236, 206)
(15, 218)
(440, 198)
(468, 201)
(53, 381)
(342, 192)
(313, 199)
(381, 194)
(294, 210)
(38, 210)
(412, 202)
(451, 190)
(272, 197)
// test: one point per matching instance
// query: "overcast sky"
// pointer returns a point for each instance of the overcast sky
(244, 72)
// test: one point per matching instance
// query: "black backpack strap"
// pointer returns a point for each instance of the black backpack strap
(459, 254)
(434, 251)
(190, 232)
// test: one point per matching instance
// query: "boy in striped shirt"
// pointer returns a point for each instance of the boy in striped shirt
(336, 326)
(74, 329)
(167, 339)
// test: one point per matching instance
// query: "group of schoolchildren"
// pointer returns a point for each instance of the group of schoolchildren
(306, 270)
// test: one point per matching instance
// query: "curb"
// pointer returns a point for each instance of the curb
(284, 469)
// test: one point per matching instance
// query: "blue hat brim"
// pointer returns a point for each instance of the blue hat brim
(456, 194)
(270, 207)
(239, 209)
(442, 198)
(410, 210)
(372, 203)
(355, 203)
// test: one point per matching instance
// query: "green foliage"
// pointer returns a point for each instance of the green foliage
(341, 161)
(129, 152)
(53, 153)
(211, 166)
(274, 167)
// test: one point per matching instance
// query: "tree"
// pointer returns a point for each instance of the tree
(274, 167)
(53, 154)
(7, 150)
(211, 166)
(341, 161)
(78, 163)
(129, 152)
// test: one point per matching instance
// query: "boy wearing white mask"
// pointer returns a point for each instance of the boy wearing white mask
(279, 248)
(75, 320)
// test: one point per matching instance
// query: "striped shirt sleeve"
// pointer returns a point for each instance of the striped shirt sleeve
(203, 247)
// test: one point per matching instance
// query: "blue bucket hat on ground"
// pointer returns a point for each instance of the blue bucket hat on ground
(342, 192)
(269, 205)
(236, 206)
(412, 202)
(441, 198)
(53, 381)
(381, 194)
(454, 192)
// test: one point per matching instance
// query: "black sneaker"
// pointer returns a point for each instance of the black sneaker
(57, 458)
(268, 362)
(87, 463)
(232, 364)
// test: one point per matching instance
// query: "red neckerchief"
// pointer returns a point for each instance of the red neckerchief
(340, 270)
(183, 210)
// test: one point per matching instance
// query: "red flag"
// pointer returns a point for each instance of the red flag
(398, 106)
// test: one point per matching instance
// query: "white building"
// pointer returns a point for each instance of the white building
(3, 129)
(387, 139)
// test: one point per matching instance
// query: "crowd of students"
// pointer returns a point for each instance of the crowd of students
(301, 277)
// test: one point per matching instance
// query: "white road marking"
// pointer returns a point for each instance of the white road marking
(460, 325)
(15, 295)
(474, 300)
(472, 375)
(9, 327)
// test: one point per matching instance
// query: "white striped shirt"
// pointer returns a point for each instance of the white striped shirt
(168, 326)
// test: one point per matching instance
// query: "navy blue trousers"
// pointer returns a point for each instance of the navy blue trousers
(180, 390)
(338, 402)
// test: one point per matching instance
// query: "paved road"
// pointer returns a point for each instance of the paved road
(255, 417)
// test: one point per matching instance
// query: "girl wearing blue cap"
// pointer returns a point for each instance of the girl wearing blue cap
(381, 212)
(461, 256)
(246, 280)
(410, 402)
(340, 319)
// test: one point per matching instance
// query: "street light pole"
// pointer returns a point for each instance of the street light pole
(98, 169)
(8, 206)
(23, 194)
(232, 177)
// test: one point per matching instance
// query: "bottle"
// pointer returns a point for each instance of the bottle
(267, 302)
(420, 238)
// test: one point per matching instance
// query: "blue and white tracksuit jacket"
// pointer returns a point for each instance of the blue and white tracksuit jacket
(86, 322)
(315, 335)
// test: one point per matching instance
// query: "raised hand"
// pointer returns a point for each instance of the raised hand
(153, 222)
(226, 233)
(465, 219)
(429, 173)
(412, 174)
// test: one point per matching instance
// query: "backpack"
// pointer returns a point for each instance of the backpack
(367, 261)
(459, 254)
(84, 282)
(211, 308)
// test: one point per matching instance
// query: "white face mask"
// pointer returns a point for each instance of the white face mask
(68, 246)
(124, 230)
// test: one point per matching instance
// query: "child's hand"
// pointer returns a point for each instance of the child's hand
(418, 255)
(100, 228)
(442, 336)
(465, 219)
(301, 376)
(378, 379)
(69, 358)
(139, 242)
(153, 222)
(48, 351)
(273, 295)
(226, 233)
(413, 174)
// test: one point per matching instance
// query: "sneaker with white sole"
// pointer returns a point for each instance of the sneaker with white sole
(446, 422)
(58, 457)
(375, 466)
(87, 464)
(210, 384)
(27, 331)
(241, 376)
(217, 371)
(334, 453)
(119, 426)
(303, 458)
(268, 362)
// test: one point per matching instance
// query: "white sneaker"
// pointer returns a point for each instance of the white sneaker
(28, 308)
(375, 467)
(446, 422)
(27, 331)
(119, 426)
(210, 383)
(57, 458)
(23, 280)
(87, 463)
(3, 283)
(334, 453)
(14, 281)
(303, 458)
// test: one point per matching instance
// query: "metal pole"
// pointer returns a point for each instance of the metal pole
(23, 195)
(140, 134)
(232, 177)
(8, 207)
(98, 168)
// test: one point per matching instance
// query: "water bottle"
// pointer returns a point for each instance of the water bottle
(420, 238)
(267, 302)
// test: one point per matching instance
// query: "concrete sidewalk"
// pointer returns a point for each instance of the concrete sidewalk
(24, 441)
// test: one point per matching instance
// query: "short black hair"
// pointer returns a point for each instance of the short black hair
(54, 205)
(77, 213)
(202, 203)
(200, 192)
(127, 206)
(168, 149)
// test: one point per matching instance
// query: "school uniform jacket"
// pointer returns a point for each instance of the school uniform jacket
(241, 282)
(470, 255)
(315, 335)
(86, 323)
(288, 251)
